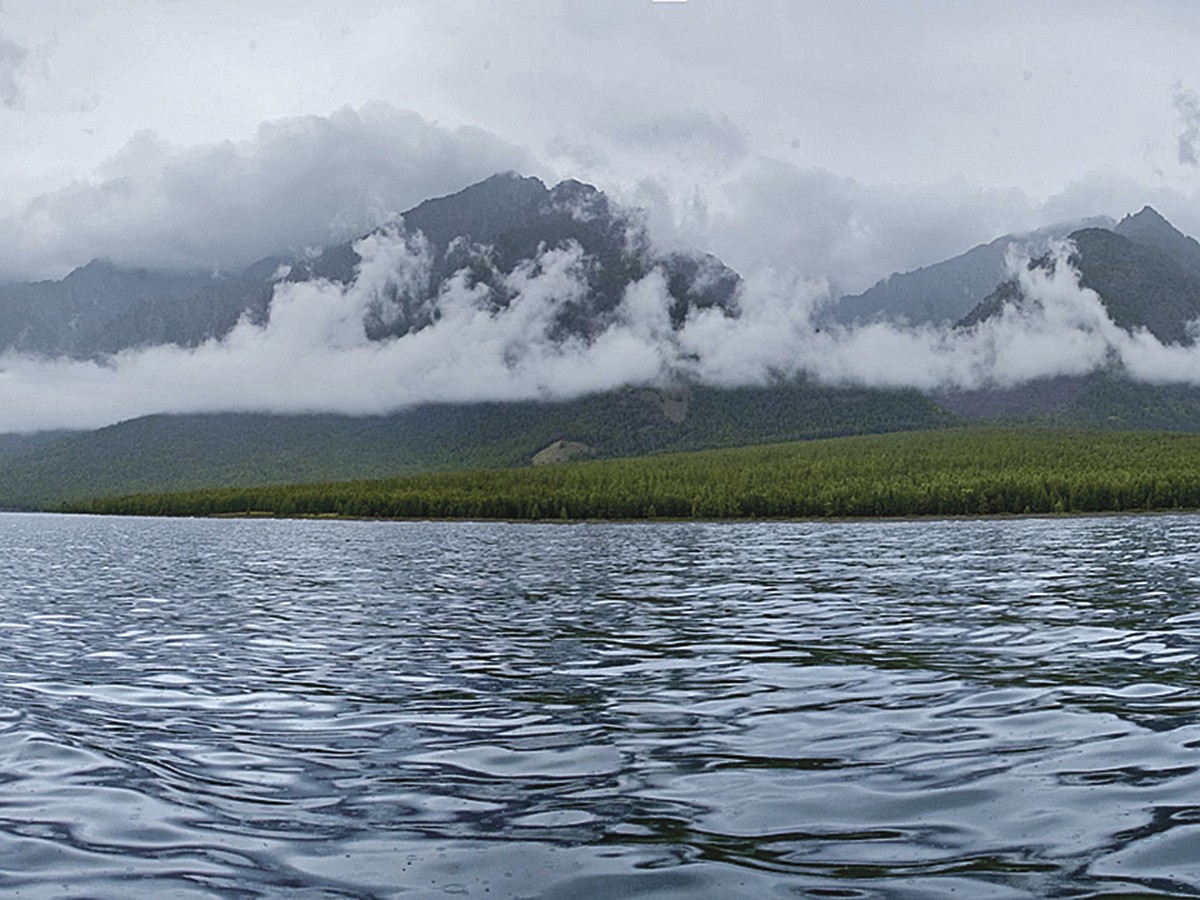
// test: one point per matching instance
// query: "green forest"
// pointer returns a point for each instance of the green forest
(951, 472)
(184, 453)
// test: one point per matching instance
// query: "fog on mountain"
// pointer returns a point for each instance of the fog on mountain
(509, 289)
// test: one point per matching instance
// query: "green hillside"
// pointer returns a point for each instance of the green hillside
(173, 453)
(950, 472)
(180, 453)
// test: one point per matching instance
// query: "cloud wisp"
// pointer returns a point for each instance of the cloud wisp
(313, 354)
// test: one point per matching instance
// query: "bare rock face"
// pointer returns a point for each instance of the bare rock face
(560, 452)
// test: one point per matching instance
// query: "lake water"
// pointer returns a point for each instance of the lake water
(353, 709)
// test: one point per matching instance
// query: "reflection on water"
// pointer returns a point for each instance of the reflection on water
(347, 709)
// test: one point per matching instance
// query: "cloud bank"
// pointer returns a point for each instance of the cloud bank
(313, 355)
(299, 182)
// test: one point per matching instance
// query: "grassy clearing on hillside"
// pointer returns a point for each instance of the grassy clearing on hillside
(953, 472)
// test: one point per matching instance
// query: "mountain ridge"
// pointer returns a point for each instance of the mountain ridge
(942, 293)
(1139, 284)
(485, 230)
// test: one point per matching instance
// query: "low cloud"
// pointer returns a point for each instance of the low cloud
(1061, 328)
(1187, 105)
(768, 214)
(312, 354)
(297, 183)
(12, 57)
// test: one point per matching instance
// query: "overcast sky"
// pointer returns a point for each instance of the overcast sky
(837, 140)
(815, 147)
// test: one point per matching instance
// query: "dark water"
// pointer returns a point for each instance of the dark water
(332, 709)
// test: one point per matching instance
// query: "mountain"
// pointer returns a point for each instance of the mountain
(181, 452)
(492, 227)
(945, 292)
(486, 236)
(67, 317)
(487, 230)
(1105, 399)
(1139, 284)
(211, 311)
(1150, 229)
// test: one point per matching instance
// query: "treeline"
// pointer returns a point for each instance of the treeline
(191, 452)
(950, 472)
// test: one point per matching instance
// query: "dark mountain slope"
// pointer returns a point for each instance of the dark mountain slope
(944, 292)
(64, 318)
(1106, 400)
(1140, 286)
(1150, 229)
(19, 444)
(489, 228)
(189, 321)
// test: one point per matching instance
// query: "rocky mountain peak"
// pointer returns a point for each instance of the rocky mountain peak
(1150, 229)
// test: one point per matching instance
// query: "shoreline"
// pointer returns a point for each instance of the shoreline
(261, 515)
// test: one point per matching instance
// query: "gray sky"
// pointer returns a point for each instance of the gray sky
(832, 140)
(815, 147)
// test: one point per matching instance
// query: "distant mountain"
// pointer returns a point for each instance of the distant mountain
(486, 230)
(945, 292)
(1106, 399)
(1146, 272)
(1150, 229)
(1140, 285)
(170, 453)
(490, 228)
(19, 444)
(211, 311)
(68, 317)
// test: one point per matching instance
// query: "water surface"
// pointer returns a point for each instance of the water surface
(353, 709)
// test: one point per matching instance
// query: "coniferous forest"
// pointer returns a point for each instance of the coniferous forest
(954, 472)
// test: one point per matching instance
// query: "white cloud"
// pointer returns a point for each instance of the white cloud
(12, 57)
(313, 355)
(1062, 329)
(1187, 105)
(768, 214)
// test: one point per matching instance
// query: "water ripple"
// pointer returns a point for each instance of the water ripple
(342, 709)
